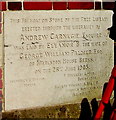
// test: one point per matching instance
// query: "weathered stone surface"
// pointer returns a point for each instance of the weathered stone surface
(55, 57)
(61, 111)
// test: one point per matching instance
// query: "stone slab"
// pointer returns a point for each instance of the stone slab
(55, 57)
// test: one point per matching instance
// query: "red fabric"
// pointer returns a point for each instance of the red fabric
(114, 72)
(1, 84)
(14, 5)
(108, 5)
(80, 5)
(106, 96)
(0, 70)
(113, 115)
(60, 5)
(2, 6)
(0, 92)
(0, 74)
(0, 17)
(110, 87)
(37, 5)
(99, 111)
(108, 90)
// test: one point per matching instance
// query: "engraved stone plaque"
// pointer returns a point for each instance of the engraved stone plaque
(55, 57)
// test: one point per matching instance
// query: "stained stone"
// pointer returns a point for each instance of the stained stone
(55, 57)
